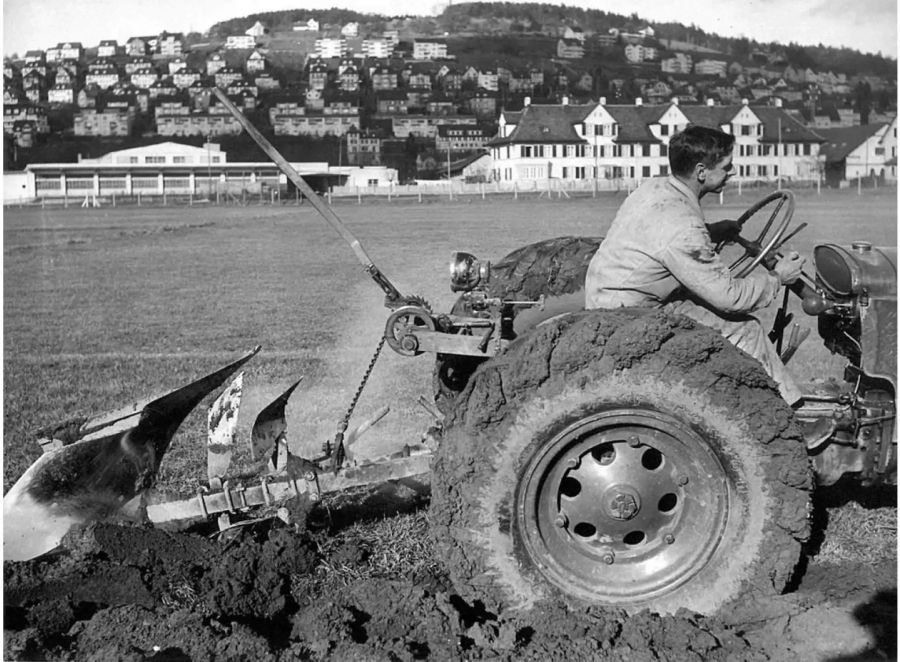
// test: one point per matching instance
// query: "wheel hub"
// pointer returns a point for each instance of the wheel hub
(623, 506)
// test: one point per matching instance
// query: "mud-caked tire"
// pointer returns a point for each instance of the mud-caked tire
(551, 267)
(628, 458)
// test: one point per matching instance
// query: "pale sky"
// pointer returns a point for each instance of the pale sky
(866, 25)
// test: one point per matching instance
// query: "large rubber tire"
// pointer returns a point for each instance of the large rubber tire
(550, 267)
(628, 458)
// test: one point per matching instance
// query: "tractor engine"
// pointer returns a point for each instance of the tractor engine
(856, 306)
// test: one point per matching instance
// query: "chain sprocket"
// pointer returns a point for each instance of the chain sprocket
(414, 314)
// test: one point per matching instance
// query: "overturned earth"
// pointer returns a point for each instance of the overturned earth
(357, 579)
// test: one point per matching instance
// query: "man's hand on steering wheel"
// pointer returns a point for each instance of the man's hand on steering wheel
(723, 231)
(789, 268)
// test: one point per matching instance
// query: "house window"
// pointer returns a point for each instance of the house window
(565, 172)
(579, 172)
(663, 170)
(645, 171)
(526, 151)
(763, 171)
(745, 130)
(371, 182)
(154, 159)
(645, 151)
(132, 159)
(663, 129)
(664, 150)
(179, 159)
(807, 150)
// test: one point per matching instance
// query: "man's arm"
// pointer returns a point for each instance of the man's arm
(693, 262)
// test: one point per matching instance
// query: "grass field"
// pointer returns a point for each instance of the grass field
(107, 305)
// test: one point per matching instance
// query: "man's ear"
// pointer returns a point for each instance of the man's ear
(700, 172)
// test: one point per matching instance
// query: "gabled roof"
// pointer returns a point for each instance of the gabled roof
(547, 124)
(791, 130)
(840, 141)
(634, 122)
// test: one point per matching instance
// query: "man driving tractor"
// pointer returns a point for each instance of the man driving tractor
(660, 252)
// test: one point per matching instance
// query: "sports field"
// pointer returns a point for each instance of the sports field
(103, 306)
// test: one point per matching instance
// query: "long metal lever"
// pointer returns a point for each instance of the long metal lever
(392, 293)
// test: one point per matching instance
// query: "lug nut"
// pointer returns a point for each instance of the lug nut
(682, 480)
(669, 538)
(561, 521)
(573, 462)
(609, 559)
(634, 441)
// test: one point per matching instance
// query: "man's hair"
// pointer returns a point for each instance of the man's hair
(698, 144)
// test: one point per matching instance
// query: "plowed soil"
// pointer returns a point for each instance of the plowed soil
(127, 592)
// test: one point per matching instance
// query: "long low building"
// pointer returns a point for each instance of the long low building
(175, 169)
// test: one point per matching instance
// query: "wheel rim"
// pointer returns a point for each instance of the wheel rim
(623, 506)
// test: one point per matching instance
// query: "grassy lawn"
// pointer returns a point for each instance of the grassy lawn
(104, 306)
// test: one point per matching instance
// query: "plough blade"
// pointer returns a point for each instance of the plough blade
(91, 468)
(221, 423)
(270, 424)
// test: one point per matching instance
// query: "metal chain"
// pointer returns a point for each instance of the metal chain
(338, 456)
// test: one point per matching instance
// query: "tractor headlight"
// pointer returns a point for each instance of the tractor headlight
(466, 272)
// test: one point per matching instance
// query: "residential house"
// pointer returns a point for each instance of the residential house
(11, 71)
(266, 81)
(391, 102)
(256, 62)
(170, 44)
(383, 78)
(35, 58)
(171, 104)
(859, 151)
(349, 79)
(310, 25)
(88, 97)
(24, 112)
(35, 93)
(423, 126)
(137, 47)
(603, 141)
(144, 77)
(12, 94)
(638, 53)
(711, 67)
(489, 80)
(238, 41)
(108, 48)
(429, 49)
(330, 47)
(377, 48)
(584, 82)
(417, 98)
(482, 103)
(519, 82)
(314, 100)
(61, 94)
(440, 104)
(242, 88)
(257, 30)
(67, 50)
(104, 74)
(452, 81)
(570, 49)
(574, 32)
(35, 62)
(140, 63)
(214, 63)
(350, 29)
(363, 147)
(176, 65)
(315, 125)
(210, 124)
(162, 87)
(418, 79)
(456, 138)
(341, 103)
(286, 104)
(227, 75)
(186, 77)
(106, 123)
(678, 63)
(319, 76)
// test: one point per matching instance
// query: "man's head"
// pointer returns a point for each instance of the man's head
(702, 157)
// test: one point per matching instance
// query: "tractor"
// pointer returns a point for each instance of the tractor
(629, 458)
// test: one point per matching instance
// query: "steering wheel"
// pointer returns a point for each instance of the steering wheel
(767, 242)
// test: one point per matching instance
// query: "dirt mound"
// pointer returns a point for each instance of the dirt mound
(134, 593)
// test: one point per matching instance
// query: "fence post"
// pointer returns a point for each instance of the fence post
(165, 199)
(114, 199)
(859, 185)
(390, 188)
(739, 188)
(819, 185)
(65, 200)
(482, 190)
(358, 196)
(139, 198)
(420, 195)
(515, 190)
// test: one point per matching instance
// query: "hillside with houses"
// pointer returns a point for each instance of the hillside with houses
(413, 93)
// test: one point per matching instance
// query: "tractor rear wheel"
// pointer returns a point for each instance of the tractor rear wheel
(625, 458)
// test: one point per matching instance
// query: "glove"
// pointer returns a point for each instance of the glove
(723, 231)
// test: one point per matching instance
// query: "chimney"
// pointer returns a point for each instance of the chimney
(674, 101)
(745, 101)
(638, 101)
(778, 102)
(602, 101)
(710, 102)
(527, 101)
(565, 101)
